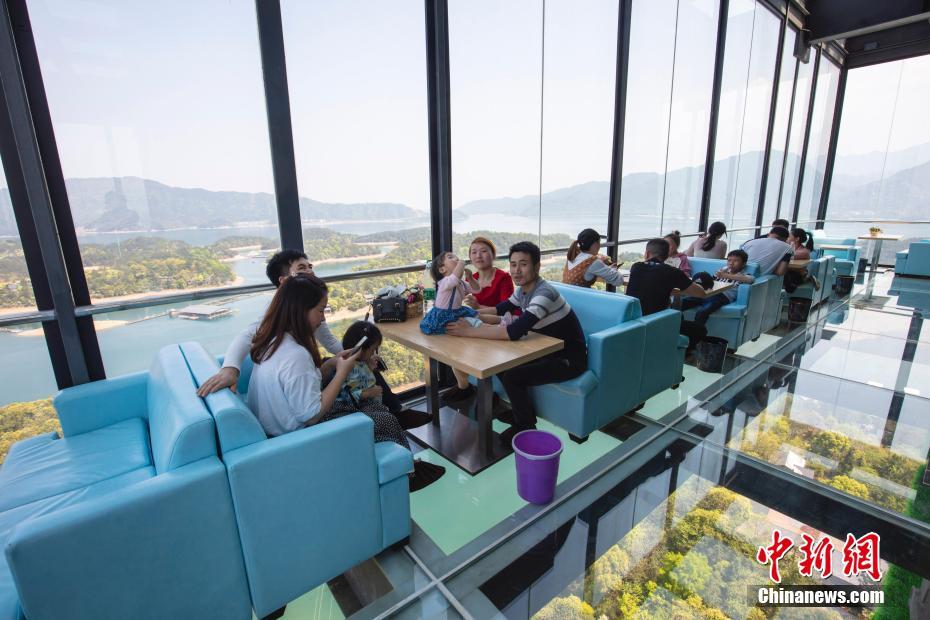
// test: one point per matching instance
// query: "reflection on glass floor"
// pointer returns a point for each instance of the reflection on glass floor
(822, 427)
(675, 537)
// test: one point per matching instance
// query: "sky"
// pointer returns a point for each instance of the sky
(172, 91)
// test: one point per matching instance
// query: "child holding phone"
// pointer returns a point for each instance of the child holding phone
(360, 388)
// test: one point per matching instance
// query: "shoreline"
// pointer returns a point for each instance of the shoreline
(238, 281)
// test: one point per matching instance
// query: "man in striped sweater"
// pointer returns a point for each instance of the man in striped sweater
(543, 310)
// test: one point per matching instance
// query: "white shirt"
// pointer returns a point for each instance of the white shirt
(241, 345)
(284, 390)
(768, 252)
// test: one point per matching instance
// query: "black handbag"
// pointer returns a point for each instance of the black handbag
(389, 309)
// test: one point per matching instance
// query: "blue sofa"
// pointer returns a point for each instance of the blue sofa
(129, 514)
(915, 260)
(309, 504)
(847, 260)
(739, 320)
(822, 269)
(631, 358)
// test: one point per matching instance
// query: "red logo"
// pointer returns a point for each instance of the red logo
(860, 555)
(773, 553)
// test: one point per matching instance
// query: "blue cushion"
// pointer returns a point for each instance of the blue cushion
(393, 461)
(181, 428)
(578, 387)
(9, 599)
(44, 469)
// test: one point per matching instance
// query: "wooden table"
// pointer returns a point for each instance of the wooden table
(833, 246)
(877, 246)
(470, 444)
(798, 264)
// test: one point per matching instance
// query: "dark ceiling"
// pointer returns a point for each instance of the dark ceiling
(872, 31)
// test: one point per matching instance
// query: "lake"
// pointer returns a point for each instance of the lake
(24, 359)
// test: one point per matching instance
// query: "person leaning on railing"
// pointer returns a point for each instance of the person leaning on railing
(281, 265)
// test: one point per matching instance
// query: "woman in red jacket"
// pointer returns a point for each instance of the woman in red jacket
(496, 284)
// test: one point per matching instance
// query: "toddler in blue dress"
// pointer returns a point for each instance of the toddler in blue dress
(447, 270)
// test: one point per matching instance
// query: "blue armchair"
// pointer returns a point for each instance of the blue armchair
(128, 514)
(847, 260)
(741, 319)
(630, 359)
(915, 260)
(309, 504)
(823, 270)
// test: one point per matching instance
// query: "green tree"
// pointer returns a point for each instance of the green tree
(848, 485)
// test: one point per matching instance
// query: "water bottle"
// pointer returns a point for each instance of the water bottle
(429, 289)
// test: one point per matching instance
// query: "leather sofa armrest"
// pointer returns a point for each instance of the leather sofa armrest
(166, 547)
(307, 505)
(93, 405)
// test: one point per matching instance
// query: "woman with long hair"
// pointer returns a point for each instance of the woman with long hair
(802, 242)
(710, 244)
(286, 389)
(583, 264)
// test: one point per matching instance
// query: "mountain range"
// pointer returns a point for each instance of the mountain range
(133, 203)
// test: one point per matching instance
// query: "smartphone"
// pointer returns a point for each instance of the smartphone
(358, 346)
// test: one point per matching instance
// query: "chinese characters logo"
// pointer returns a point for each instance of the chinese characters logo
(860, 555)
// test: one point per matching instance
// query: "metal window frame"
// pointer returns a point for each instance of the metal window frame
(280, 129)
(720, 53)
(36, 214)
(440, 126)
(620, 91)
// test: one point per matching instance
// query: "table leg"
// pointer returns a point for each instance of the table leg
(873, 268)
(431, 376)
(485, 415)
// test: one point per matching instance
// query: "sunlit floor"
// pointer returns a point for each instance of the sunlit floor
(820, 428)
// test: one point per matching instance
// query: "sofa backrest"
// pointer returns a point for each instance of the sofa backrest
(712, 265)
(236, 425)
(180, 427)
(599, 310)
(821, 237)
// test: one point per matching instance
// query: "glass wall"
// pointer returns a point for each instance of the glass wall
(745, 102)
(783, 109)
(883, 153)
(357, 81)
(670, 82)
(496, 92)
(578, 113)
(792, 164)
(158, 111)
(828, 79)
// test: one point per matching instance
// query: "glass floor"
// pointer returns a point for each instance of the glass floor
(821, 428)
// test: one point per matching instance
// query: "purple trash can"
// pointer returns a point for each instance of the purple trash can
(537, 457)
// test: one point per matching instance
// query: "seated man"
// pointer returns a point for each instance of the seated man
(772, 252)
(652, 282)
(283, 264)
(545, 311)
(733, 272)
